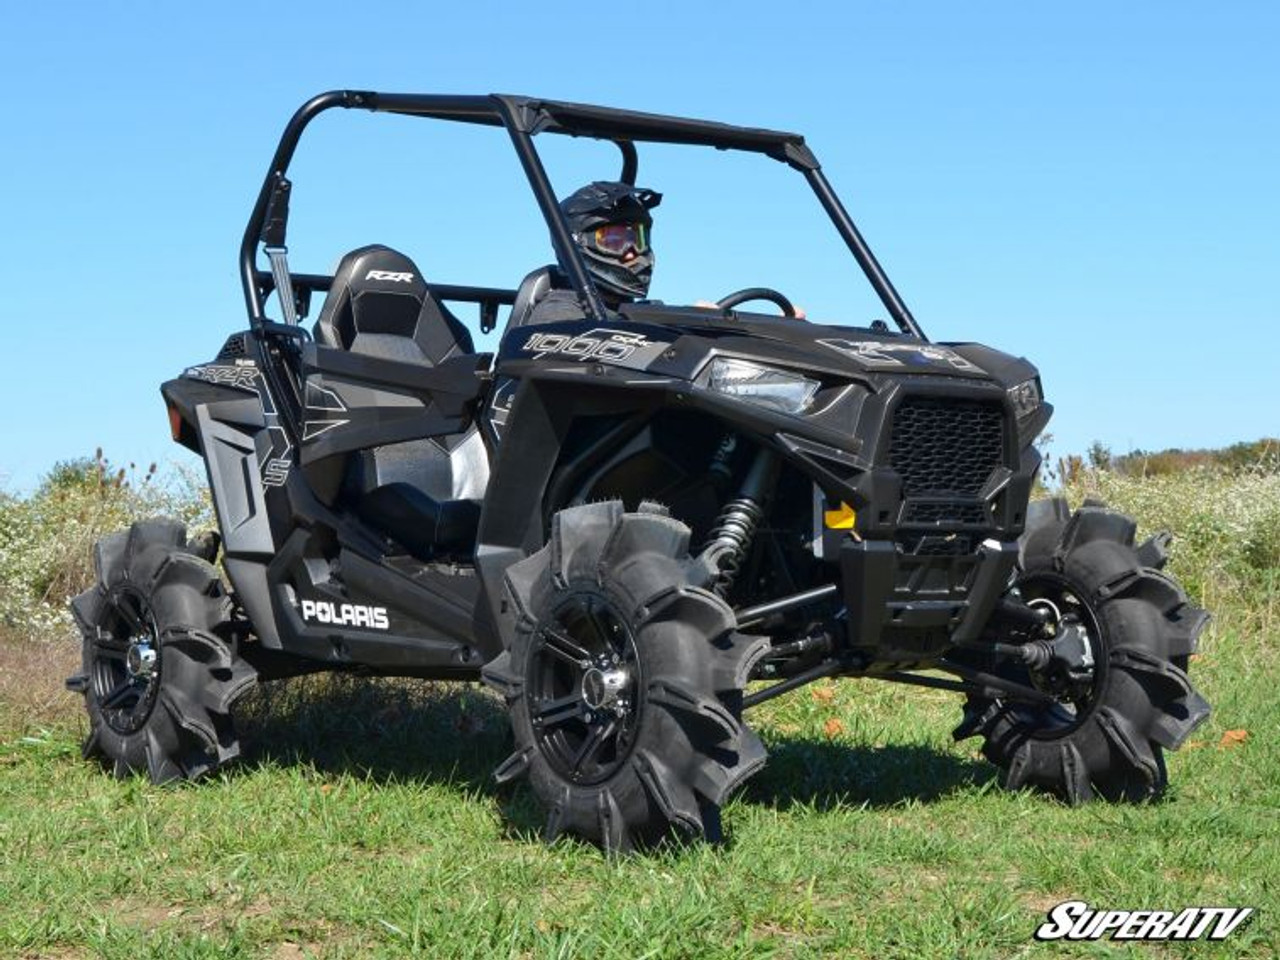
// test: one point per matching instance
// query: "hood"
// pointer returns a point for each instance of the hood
(853, 352)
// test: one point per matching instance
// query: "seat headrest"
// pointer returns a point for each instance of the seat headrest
(375, 290)
(377, 294)
(533, 288)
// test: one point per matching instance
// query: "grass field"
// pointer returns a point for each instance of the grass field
(363, 821)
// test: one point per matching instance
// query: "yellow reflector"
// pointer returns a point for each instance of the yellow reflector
(841, 519)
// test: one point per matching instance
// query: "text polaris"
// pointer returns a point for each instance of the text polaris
(346, 614)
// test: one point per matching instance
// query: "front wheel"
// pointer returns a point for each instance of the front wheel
(158, 679)
(1125, 696)
(624, 681)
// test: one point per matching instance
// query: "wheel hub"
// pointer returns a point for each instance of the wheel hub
(1070, 662)
(140, 660)
(1063, 666)
(603, 688)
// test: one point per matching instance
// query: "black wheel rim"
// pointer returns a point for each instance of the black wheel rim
(584, 689)
(126, 661)
(1073, 709)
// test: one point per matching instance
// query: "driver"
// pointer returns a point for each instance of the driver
(610, 222)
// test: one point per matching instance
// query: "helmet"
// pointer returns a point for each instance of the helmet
(610, 222)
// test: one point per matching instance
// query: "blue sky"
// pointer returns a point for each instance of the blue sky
(1093, 186)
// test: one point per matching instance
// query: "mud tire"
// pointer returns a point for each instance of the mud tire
(174, 723)
(1144, 632)
(687, 748)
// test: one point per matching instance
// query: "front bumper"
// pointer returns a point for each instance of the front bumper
(904, 610)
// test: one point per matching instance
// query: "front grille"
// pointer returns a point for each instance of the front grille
(932, 545)
(944, 512)
(946, 447)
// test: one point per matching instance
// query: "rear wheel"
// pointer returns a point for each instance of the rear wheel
(1125, 696)
(158, 680)
(624, 681)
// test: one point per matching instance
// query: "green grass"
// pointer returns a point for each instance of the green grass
(363, 822)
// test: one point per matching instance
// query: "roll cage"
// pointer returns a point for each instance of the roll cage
(524, 118)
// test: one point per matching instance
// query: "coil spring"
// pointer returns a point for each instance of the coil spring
(730, 539)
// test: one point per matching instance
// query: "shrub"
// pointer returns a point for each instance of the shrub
(46, 539)
(1226, 522)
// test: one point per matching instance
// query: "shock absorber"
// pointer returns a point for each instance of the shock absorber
(731, 537)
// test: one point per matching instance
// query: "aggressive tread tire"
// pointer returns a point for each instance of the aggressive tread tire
(181, 726)
(1142, 702)
(689, 748)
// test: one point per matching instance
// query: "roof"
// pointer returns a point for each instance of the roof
(533, 115)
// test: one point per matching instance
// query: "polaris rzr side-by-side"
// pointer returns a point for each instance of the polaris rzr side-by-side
(634, 524)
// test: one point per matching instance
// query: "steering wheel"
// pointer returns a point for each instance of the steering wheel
(757, 293)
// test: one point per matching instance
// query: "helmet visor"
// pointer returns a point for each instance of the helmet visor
(618, 238)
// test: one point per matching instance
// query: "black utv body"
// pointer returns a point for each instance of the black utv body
(633, 526)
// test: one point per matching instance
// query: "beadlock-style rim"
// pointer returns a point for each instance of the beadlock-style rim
(126, 661)
(584, 684)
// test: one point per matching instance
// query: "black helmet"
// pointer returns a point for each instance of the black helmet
(620, 261)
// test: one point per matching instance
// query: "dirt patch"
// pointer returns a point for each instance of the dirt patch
(204, 916)
(148, 916)
(31, 682)
(1044, 902)
(289, 950)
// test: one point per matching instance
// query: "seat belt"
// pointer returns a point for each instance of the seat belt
(279, 257)
(272, 237)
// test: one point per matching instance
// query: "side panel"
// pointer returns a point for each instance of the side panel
(315, 582)
(246, 452)
(231, 455)
(353, 401)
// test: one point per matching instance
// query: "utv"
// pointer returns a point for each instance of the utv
(633, 526)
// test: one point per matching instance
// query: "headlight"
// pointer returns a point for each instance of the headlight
(1025, 398)
(761, 385)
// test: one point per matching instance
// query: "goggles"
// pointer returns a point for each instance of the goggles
(618, 238)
